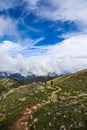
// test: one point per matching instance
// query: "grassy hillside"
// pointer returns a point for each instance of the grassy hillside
(70, 112)
(6, 84)
(15, 101)
(78, 79)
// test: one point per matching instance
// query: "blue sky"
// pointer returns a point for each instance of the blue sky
(35, 33)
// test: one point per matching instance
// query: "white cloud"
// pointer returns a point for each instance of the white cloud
(72, 10)
(8, 4)
(32, 4)
(74, 46)
(4, 5)
(68, 56)
(7, 27)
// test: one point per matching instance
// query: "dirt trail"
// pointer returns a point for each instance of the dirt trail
(22, 123)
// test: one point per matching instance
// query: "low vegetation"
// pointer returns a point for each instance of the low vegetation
(14, 102)
(68, 113)
(6, 84)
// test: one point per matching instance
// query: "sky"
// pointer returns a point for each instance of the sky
(43, 37)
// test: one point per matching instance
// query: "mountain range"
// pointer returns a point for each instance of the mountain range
(28, 79)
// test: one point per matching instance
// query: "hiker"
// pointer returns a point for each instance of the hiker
(45, 83)
(51, 83)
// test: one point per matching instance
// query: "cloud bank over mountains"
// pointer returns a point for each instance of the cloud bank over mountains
(67, 57)
(22, 52)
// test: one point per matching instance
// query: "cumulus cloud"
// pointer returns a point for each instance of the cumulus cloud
(67, 57)
(74, 46)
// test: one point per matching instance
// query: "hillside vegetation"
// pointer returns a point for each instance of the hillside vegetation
(70, 112)
(61, 106)
(78, 79)
(16, 100)
(6, 84)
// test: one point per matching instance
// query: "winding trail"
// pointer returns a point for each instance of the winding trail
(22, 123)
